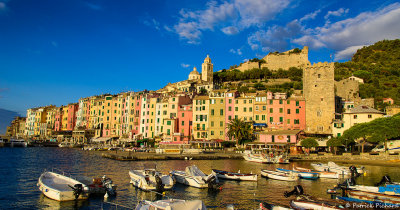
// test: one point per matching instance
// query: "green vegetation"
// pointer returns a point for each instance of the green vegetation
(309, 143)
(379, 66)
(240, 131)
(376, 131)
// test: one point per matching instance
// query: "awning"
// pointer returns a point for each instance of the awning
(260, 124)
(101, 139)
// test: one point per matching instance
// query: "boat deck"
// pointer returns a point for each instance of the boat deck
(57, 183)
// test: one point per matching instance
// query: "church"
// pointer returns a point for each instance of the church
(196, 80)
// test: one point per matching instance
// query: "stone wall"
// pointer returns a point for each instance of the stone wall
(248, 65)
(318, 89)
(347, 89)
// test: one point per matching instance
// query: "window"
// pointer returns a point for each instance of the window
(244, 109)
(236, 117)
(256, 108)
(288, 102)
(221, 133)
(271, 110)
(288, 121)
(250, 101)
(297, 111)
(264, 108)
(257, 117)
(244, 101)
(271, 101)
(339, 134)
(297, 103)
(212, 133)
(245, 118)
(273, 138)
(280, 119)
(168, 122)
(229, 117)
(355, 116)
(198, 135)
(296, 121)
(236, 109)
(271, 119)
(280, 110)
(168, 132)
(212, 112)
(212, 123)
(262, 117)
(221, 112)
(230, 101)
(222, 101)
(183, 114)
(221, 123)
(250, 109)
(173, 99)
(183, 123)
(319, 75)
(288, 111)
(229, 108)
(288, 139)
(280, 101)
(203, 126)
(369, 116)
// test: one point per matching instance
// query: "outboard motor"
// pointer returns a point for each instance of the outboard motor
(108, 185)
(353, 171)
(298, 190)
(77, 189)
(385, 180)
(213, 182)
(159, 184)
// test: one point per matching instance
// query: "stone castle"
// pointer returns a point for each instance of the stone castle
(319, 93)
(275, 61)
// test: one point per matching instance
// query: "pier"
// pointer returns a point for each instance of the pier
(125, 156)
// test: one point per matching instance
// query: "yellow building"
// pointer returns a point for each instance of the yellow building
(201, 117)
(96, 114)
(217, 114)
(392, 110)
(152, 116)
(356, 115)
(244, 106)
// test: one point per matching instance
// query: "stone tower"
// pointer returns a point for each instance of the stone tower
(207, 70)
(319, 93)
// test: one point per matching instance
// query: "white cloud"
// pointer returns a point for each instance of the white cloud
(184, 65)
(230, 30)
(93, 6)
(238, 51)
(310, 16)
(3, 7)
(230, 17)
(275, 38)
(54, 43)
(152, 23)
(337, 13)
(347, 53)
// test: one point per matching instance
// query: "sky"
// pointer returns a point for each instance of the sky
(57, 51)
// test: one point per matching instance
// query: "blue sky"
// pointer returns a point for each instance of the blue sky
(57, 51)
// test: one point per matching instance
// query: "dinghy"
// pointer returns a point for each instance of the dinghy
(61, 188)
(171, 204)
(150, 179)
(280, 175)
(334, 166)
(194, 177)
(321, 174)
(234, 176)
(303, 175)
(258, 158)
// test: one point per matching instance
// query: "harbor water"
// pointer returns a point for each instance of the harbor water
(20, 169)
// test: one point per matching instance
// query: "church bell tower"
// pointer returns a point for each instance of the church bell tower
(207, 70)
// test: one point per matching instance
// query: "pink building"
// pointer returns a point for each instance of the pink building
(280, 136)
(229, 109)
(58, 119)
(184, 124)
(71, 118)
(286, 114)
(388, 101)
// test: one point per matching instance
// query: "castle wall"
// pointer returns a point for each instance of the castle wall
(286, 60)
(318, 89)
(248, 65)
(347, 89)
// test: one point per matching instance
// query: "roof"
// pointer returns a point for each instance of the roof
(363, 109)
(281, 132)
(201, 97)
(194, 71)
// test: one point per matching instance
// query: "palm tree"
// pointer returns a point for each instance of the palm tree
(239, 130)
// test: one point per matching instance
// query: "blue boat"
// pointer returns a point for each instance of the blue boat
(301, 174)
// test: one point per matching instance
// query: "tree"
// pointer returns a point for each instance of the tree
(203, 91)
(309, 143)
(240, 131)
(334, 142)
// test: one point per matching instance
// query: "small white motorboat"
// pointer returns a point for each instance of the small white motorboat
(280, 175)
(334, 166)
(303, 175)
(18, 143)
(171, 204)
(321, 174)
(151, 180)
(194, 177)
(62, 188)
(258, 158)
(234, 176)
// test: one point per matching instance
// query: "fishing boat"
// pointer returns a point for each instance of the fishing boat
(171, 204)
(281, 159)
(303, 175)
(234, 176)
(280, 175)
(303, 201)
(150, 179)
(194, 177)
(99, 186)
(334, 166)
(62, 188)
(258, 158)
(321, 174)
(18, 143)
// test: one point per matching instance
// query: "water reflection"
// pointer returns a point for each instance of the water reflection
(22, 168)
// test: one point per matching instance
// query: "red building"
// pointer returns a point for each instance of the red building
(71, 118)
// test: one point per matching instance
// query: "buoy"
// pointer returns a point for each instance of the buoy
(365, 173)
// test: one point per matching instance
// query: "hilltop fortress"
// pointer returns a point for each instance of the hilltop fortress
(275, 60)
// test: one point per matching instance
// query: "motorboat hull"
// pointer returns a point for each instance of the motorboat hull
(257, 158)
(148, 182)
(234, 176)
(181, 177)
(55, 186)
(277, 175)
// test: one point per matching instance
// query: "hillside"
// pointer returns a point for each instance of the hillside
(379, 66)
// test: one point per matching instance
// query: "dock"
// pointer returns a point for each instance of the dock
(154, 156)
